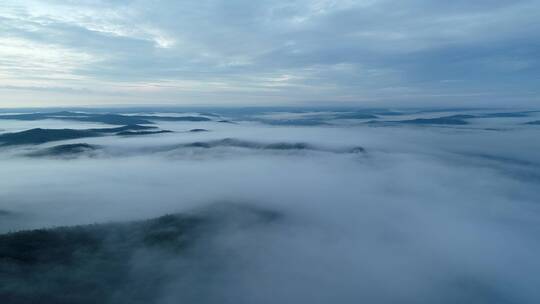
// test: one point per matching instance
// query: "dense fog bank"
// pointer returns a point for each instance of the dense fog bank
(422, 214)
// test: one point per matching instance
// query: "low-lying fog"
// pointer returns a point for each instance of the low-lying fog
(425, 215)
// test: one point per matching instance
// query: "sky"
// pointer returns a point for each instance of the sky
(270, 52)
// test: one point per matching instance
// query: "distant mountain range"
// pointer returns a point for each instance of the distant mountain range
(113, 119)
(65, 151)
(40, 136)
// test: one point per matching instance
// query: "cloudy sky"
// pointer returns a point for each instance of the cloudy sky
(246, 52)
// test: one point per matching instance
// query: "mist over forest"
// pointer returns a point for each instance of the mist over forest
(269, 205)
(269, 152)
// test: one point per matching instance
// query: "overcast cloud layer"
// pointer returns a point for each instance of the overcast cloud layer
(405, 52)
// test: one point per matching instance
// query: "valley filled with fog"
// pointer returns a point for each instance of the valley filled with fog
(296, 205)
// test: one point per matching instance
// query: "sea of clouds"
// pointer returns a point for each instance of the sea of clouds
(425, 215)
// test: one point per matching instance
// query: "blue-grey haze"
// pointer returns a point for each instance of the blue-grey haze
(312, 205)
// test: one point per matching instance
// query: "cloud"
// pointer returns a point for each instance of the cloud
(426, 215)
(199, 50)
